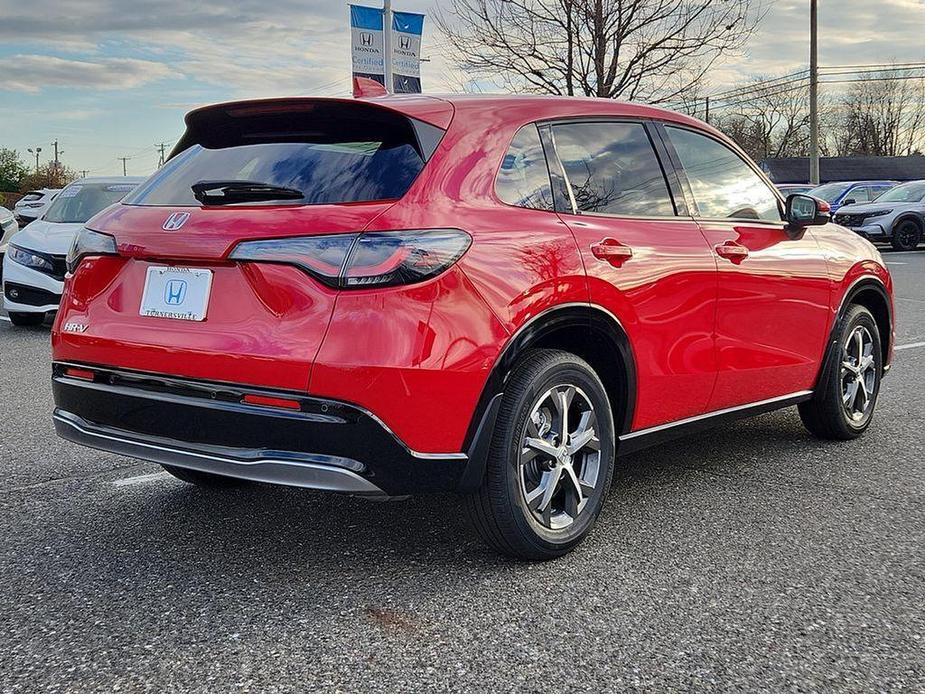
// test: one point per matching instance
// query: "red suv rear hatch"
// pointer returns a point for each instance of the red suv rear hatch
(263, 322)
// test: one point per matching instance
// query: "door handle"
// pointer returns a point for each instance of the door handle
(732, 251)
(611, 251)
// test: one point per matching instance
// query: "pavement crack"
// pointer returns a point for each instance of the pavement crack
(70, 478)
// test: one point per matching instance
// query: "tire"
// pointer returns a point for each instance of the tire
(827, 415)
(500, 510)
(27, 319)
(204, 479)
(907, 235)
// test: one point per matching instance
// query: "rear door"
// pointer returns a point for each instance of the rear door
(647, 261)
(773, 307)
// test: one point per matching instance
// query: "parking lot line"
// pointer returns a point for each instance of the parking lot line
(914, 345)
(141, 479)
(5, 319)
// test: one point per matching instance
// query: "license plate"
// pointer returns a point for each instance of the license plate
(181, 293)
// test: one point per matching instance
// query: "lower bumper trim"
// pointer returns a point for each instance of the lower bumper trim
(295, 473)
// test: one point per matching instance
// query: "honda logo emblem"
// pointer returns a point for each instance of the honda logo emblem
(175, 292)
(404, 43)
(175, 221)
(366, 38)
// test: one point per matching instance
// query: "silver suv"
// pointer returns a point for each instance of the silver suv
(897, 216)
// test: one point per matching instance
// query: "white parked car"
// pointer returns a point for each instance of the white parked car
(34, 265)
(33, 204)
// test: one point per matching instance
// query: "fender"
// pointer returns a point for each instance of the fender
(587, 323)
(863, 283)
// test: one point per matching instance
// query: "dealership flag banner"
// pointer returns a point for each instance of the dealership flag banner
(407, 28)
(368, 43)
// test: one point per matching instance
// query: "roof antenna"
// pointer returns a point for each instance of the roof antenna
(365, 88)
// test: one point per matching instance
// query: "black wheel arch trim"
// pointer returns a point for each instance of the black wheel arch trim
(591, 318)
(865, 283)
(908, 217)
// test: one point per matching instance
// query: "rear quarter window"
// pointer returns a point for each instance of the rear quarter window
(523, 180)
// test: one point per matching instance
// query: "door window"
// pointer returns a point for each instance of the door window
(859, 194)
(523, 180)
(612, 169)
(724, 186)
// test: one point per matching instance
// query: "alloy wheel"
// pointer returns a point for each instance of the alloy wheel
(560, 456)
(858, 374)
(908, 234)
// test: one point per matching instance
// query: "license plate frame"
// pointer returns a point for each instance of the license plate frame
(176, 293)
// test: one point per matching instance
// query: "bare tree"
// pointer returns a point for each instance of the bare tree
(649, 50)
(769, 118)
(883, 116)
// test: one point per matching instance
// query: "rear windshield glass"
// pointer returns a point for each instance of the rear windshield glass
(80, 201)
(344, 156)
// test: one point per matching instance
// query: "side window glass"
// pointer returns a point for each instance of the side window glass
(613, 169)
(859, 194)
(523, 180)
(724, 186)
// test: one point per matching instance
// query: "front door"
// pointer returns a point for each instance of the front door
(773, 303)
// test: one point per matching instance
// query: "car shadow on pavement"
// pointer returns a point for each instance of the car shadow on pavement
(278, 530)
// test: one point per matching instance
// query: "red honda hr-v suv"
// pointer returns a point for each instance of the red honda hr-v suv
(489, 295)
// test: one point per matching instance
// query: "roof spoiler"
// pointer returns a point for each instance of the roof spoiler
(364, 87)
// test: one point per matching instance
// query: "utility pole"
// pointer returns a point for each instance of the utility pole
(124, 161)
(36, 152)
(707, 119)
(814, 174)
(162, 148)
(387, 44)
(57, 152)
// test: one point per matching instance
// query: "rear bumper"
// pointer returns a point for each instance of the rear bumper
(324, 444)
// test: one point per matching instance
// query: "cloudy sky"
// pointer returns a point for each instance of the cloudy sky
(112, 78)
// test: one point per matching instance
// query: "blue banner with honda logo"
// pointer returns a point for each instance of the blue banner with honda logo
(407, 29)
(368, 45)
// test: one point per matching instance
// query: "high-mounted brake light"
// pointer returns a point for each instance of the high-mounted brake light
(357, 261)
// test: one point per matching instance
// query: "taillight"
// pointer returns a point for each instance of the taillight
(89, 242)
(357, 261)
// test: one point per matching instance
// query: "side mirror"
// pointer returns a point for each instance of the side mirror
(849, 201)
(807, 211)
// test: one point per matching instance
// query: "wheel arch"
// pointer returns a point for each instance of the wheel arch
(908, 217)
(870, 292)
(588, 331)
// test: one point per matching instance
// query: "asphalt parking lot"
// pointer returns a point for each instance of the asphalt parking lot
(752, 557)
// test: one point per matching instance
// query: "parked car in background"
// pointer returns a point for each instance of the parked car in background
(791, 188)
(487, 295)
(850, 192)
(8, 227)
(34, 265)
(33, 204)
(897, 216)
